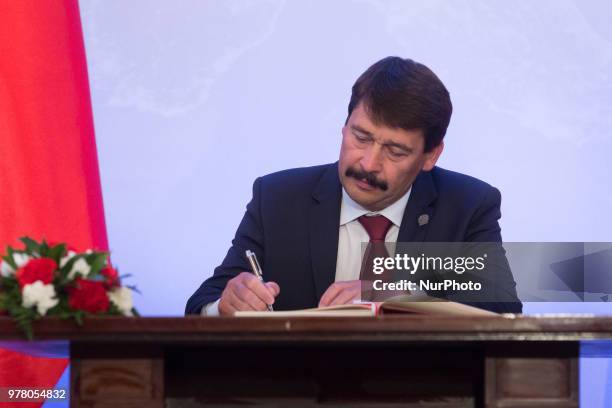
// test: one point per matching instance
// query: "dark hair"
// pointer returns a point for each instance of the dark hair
(401, 93)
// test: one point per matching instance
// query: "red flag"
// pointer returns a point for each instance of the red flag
(49, 180)
(49, 177)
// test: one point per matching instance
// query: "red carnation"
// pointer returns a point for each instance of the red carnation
(37, 269)
(89, 296)
(111, 277)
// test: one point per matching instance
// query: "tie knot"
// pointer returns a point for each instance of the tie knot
(376, 226)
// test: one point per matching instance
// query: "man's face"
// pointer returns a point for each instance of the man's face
(378, 164)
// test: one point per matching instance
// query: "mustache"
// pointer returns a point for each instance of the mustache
(369, 178)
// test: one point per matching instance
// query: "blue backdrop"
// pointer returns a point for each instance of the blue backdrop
(194, 99)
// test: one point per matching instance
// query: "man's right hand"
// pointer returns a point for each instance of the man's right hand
(247, 292)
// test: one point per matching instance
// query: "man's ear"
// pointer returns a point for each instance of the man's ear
(432, 157)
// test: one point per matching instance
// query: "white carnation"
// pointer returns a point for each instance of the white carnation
(66, 258)
(40, 295)
(5, 269)
(122, 298)
(80, 267)
(21, 259)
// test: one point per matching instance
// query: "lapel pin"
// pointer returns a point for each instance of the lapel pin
(423, 219)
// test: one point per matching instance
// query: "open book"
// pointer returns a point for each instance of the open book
(399, 304)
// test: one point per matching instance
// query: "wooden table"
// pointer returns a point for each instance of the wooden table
(388, 361)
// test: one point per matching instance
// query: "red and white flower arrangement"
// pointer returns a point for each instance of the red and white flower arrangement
(44, 279)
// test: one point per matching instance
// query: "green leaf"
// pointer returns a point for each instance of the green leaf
(64, 315)
(23, 319)
(57, 252)
(44, 249)
(134, 289)
(9, 257)
(113, 309)
(78, 317)
(31, 245)
(68, 267)
(11, 285)
(97, 261)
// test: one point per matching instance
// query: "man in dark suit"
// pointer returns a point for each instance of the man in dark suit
(306, 225)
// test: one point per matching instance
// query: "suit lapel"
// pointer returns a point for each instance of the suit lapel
(324, 229)
(420, 205)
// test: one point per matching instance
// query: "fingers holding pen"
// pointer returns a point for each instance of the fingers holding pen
(246, 292)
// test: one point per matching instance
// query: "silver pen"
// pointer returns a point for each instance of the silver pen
(252, 258)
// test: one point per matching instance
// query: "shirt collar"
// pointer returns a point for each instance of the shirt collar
(350, 210)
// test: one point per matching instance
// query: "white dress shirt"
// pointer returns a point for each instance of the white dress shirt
(353, 235)
(350, 239)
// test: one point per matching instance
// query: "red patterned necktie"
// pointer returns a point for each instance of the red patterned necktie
(377, 227)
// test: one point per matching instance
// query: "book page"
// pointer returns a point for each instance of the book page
(352, 310)
(432, 306)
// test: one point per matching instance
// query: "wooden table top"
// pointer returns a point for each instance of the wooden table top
(195, 329)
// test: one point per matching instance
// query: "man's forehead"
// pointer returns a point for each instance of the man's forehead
(361, 116)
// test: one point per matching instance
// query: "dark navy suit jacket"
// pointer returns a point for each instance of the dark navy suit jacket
(292, 224)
